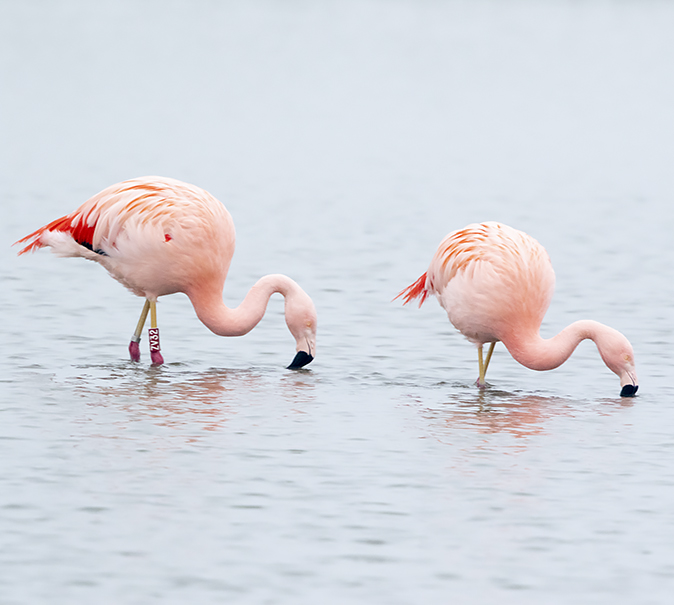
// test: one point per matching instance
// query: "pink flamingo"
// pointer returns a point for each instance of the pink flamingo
(496, 284)
(158, 236)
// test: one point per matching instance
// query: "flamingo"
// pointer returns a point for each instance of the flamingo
(496, 283)
(158, 236)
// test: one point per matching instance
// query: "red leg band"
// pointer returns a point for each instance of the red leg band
(155, 354)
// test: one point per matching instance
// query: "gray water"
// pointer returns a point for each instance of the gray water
(346, 139)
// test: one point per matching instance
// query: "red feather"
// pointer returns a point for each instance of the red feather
(416, 290)
(75, 224)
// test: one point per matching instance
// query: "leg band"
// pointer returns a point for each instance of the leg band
(155, 353)
(153, 334)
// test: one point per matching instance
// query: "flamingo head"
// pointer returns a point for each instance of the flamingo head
(628, 379)
(302, 322)
(618, 355)
(626, 371)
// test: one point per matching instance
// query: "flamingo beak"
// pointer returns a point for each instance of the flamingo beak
(628, 382)
(629, 390)
(301, 359)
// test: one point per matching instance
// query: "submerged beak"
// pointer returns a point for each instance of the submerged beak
(301, 359)
(628, 382)
(629, 390)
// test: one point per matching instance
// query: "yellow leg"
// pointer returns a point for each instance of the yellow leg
(143, 318)
(483, 364)
(153, 314)
(489, 352)
(480, 365)
(155, 353)
(134, 349)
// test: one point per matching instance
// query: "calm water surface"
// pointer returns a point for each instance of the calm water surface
(346, 139)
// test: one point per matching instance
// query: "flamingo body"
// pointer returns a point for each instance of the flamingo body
(158, 236)
(496, 283)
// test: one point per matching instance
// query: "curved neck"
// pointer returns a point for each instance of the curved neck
(537, 353)
(223, 321)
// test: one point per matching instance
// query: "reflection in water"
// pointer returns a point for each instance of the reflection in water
(297, 387)
(493, 411)
(171, 396)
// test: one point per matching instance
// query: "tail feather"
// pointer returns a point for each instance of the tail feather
(415, 290)
(32, 241)
(75, 226)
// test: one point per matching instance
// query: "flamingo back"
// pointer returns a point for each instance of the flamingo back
(155, 235)
(492, 280)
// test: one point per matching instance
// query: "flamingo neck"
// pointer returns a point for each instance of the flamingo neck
(538, 353)
(223, 321)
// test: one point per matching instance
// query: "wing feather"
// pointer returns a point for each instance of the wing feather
(97, 224)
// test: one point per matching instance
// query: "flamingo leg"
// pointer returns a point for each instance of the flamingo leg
(153, 334)
(488, 359)
(483, 364)
(481, 368)
(134, 348)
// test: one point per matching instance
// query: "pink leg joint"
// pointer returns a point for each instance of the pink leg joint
(155, 353)
(134, 349)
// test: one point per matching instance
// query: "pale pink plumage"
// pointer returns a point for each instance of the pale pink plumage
(159, 236)
(496, 284)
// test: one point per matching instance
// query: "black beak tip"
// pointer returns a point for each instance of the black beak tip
(301, 359)
(629, 390)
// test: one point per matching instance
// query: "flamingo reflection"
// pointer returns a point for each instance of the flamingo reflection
(206, 400)
(520, 414)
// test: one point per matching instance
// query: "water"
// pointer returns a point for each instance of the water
(346, 139)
